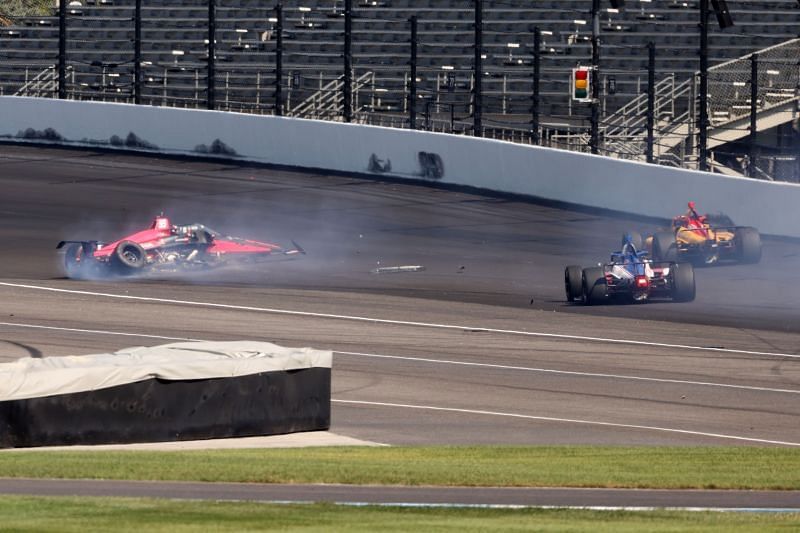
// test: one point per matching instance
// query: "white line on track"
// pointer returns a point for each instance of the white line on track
(569, 372)
(514, 506)
(567, 420)
(402, 322)
(97, 331)
(437, 361)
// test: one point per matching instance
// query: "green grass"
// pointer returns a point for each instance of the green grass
(501, 466)
(25, 8)
(86, 515)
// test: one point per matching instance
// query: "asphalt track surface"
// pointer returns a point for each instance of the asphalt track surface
(479, 347)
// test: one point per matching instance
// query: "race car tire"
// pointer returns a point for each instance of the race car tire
(748, 245)
(664, 246)
(683, 286)
(636, 239)
(128, 257)
(74, 262)
(573, 282)
(594, 290)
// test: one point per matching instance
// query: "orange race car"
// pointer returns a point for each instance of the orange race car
(703, 239)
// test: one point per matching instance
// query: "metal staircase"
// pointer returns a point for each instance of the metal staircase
(327, 103)
(676, 107)
(625, 130)
(43, 84)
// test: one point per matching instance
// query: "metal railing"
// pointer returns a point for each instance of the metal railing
(631, 119)
(45, 83)
(327, 102)
(729, 102)
(244, 80)
(778, 82)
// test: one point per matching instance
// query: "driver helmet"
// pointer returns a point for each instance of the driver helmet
(627, 245)
(162, 223)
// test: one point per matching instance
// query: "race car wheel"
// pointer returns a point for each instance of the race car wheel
(636, 239)
(572, 282)
(593, 284)
(129, 256)
(74, 262)
(683, 287)
(664, 246)
(748, 245)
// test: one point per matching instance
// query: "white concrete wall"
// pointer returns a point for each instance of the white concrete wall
(582, 179)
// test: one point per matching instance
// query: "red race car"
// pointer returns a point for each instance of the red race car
(164, 246)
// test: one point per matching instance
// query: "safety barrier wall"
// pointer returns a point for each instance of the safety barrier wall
(173, 392)
(550, 174)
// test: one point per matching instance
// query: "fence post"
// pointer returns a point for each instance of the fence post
(504, 101)
(412, 93)
(278, 59)
(594, 140)
(651, 97)
(537, 44)
(258, 91)
(477, 117)
(751, 163)
(347, 87)
(137, 53)
(62, 49)
(212, 35)
(703, 120)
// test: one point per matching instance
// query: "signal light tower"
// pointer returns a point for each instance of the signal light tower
(582, 84)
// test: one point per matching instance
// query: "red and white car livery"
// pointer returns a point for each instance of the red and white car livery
(164, 245)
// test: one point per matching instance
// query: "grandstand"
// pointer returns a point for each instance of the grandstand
(175, 59)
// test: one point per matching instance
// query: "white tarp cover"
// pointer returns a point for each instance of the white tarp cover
(49, 376)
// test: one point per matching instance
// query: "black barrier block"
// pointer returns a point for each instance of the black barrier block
(155, 410)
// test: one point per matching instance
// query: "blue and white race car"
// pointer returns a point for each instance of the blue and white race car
(630, 276)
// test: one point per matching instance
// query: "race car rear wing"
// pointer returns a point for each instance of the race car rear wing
(732, 229)
(88, 246)
(653, 264)
(663, 264)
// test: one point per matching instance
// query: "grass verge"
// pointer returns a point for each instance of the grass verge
(86, 515)
(499, 466)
